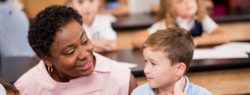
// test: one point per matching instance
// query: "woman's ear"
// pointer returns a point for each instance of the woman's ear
(46, 60)
(180, 69)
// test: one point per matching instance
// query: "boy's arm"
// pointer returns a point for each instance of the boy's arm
(217, 37)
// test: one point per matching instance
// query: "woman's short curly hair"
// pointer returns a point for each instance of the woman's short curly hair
(46, 24)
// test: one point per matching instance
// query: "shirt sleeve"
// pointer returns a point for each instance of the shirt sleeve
(108, 32)
(21, 84)
(209, 24)
(156, 26)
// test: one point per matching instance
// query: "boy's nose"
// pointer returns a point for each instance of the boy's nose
(147, 68)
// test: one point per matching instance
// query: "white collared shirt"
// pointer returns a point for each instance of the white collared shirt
(208, 25)
(101, 28)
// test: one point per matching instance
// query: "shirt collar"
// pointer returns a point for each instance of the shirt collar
(187, 82)
(183, 23)
(101, 64)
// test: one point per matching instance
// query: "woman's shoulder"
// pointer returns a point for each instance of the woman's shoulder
(143, 90)
(113, 67)
(31, 74)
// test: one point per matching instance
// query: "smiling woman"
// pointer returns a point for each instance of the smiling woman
(68, 65)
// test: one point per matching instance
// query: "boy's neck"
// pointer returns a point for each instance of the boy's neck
(166, 90)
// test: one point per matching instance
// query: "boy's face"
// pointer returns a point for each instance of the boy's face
(184, 8)
(158, 69)
(86, 8)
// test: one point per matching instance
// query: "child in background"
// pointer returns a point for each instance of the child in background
(190, 15)
(14, 27)
(114, 7)
(167, 56)
(98, 27)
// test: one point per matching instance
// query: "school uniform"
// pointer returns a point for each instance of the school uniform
(101, 28)
(195, 27)
(2, 90)
(189, 89)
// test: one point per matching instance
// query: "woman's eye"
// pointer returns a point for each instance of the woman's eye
(80, 1)
(71, 51)
(84, 42)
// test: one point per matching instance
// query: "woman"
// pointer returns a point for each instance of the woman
(69, 66)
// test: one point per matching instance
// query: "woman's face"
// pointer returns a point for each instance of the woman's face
(72, 52)
(86, 8)
(184, 8)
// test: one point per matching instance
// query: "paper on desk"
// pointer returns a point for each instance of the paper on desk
(235, 46)
(218, 54)
(229, 50)
(127, 64)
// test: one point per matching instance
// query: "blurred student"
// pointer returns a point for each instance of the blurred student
(13, 30)
(97, 26)
(168, 53)
(190, 15)
(114, 7)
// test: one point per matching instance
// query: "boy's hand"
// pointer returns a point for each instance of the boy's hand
(179, 87)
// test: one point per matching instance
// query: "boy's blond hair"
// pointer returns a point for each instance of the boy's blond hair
(175, 43)
(167, 14)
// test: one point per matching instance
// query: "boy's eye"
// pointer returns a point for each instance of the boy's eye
(153, 63)
(69, 52)
(84, 41)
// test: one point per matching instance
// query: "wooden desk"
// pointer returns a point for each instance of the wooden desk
(13, 67)
(135, 21)
(135, 56)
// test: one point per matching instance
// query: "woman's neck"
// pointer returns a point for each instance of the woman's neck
(59, 77)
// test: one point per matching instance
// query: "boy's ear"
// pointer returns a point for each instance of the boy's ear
(180, 69)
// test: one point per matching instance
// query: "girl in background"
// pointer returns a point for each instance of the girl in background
(190, 15)
(97, 26)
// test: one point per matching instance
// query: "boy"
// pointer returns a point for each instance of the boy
(167, 55)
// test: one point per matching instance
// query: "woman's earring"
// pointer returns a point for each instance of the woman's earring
(50, 68)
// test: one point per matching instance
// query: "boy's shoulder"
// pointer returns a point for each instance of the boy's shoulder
(143, 90)
(193, 89)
